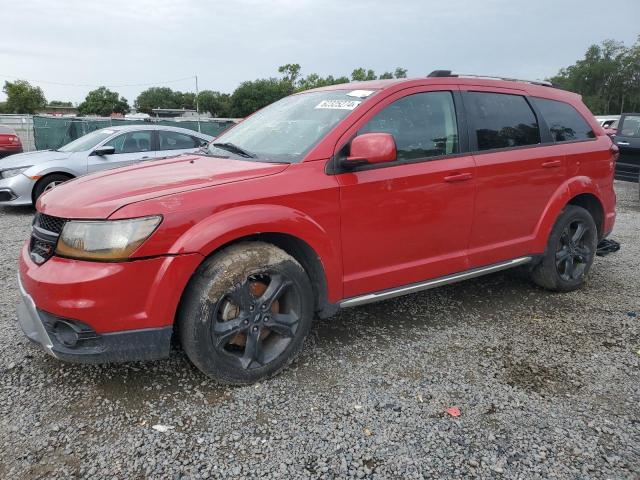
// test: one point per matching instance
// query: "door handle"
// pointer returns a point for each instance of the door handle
(552, 164)
(624, 144)
(458, 177)
(144, 158)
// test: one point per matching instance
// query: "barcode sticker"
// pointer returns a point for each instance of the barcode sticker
(339, 104)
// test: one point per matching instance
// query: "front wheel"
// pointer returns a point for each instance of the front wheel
(245, 313)
(570, 251)
(48, 182)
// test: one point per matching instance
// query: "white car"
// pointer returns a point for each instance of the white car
(26, 176)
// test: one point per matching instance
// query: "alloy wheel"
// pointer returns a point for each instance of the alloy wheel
(574, 252)
(254, 322)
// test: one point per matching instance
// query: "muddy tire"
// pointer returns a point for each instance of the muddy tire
(570, 251)
(245, 313)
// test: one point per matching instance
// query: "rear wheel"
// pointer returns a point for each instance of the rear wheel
(48, 182)
(246, 312)
(570, 251)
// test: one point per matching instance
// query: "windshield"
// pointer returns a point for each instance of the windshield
(87, 142)
(286, 130)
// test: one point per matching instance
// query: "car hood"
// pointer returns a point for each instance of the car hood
(101, 194)
(32, 158)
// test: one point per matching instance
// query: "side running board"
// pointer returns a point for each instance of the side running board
(436, 282)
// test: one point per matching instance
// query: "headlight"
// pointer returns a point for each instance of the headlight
(109, 240)
(12, 172)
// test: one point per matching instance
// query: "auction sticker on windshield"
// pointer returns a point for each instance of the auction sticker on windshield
(339, 104)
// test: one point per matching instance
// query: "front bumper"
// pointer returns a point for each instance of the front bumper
(90, 347)
(16, 190)
(113, 312)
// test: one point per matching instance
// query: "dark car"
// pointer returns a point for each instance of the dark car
(9, 141)
(627, 138)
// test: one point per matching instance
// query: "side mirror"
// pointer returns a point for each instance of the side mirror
(371, 148)
(104, 150)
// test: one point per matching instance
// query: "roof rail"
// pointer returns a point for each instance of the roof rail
(447, 73)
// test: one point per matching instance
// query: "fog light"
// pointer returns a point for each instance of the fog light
(66, 334)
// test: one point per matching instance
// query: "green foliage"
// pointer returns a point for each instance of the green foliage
(608, 77)
(315, 81)
(22, 97)
(252, 96)
(103, 102)
(291, 73)
(400, 72)
(361, 75)
(386, 76)
(164, 97)
(3, 107)
(216, 103)
(59, 103)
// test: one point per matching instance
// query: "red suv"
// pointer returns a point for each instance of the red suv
(330, 198)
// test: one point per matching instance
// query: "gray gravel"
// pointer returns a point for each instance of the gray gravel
(548, 386)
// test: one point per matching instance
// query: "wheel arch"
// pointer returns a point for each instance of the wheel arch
(44, 176)
(580, 191)
(593, 205)
(291, 230)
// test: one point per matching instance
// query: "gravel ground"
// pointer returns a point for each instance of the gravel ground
(548, 386)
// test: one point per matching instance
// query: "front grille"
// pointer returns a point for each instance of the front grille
(44, 237)
(49, 223)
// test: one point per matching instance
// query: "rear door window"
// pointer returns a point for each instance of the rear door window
(564, 121)
(502, 120)
(630, 126)
(132, 142)
(423, 125)
(177, 141)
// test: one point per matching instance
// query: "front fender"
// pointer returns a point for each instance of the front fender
(568, 190)
(223, 227)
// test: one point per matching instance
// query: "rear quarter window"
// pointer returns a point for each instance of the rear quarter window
(564, 121)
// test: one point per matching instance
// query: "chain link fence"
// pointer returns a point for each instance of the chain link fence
(41, 132)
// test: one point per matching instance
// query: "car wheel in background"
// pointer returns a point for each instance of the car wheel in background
(48, 182)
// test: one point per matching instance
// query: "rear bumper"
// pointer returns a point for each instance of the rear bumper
(87, 346)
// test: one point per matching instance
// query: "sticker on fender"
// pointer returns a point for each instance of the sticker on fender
(339, 104)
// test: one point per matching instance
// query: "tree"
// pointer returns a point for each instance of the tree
(608, 77)
(59, 103)
(361, 75)
(314, 80)
(291, 73)
(252, 96)
(216, 103)
(103, 102)
(22, 97)
(386, 76)
(400, 72)
(156, 97)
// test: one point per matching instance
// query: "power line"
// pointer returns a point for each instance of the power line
(96, 86)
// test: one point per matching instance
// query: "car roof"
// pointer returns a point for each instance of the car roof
(147, 126)
(525, 87)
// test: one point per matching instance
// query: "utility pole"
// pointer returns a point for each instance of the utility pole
(197, 104)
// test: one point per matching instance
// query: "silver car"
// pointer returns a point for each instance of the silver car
(26, 176)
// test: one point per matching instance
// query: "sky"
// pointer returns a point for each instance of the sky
(69, 47)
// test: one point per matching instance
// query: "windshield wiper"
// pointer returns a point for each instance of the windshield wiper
(230, 147)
